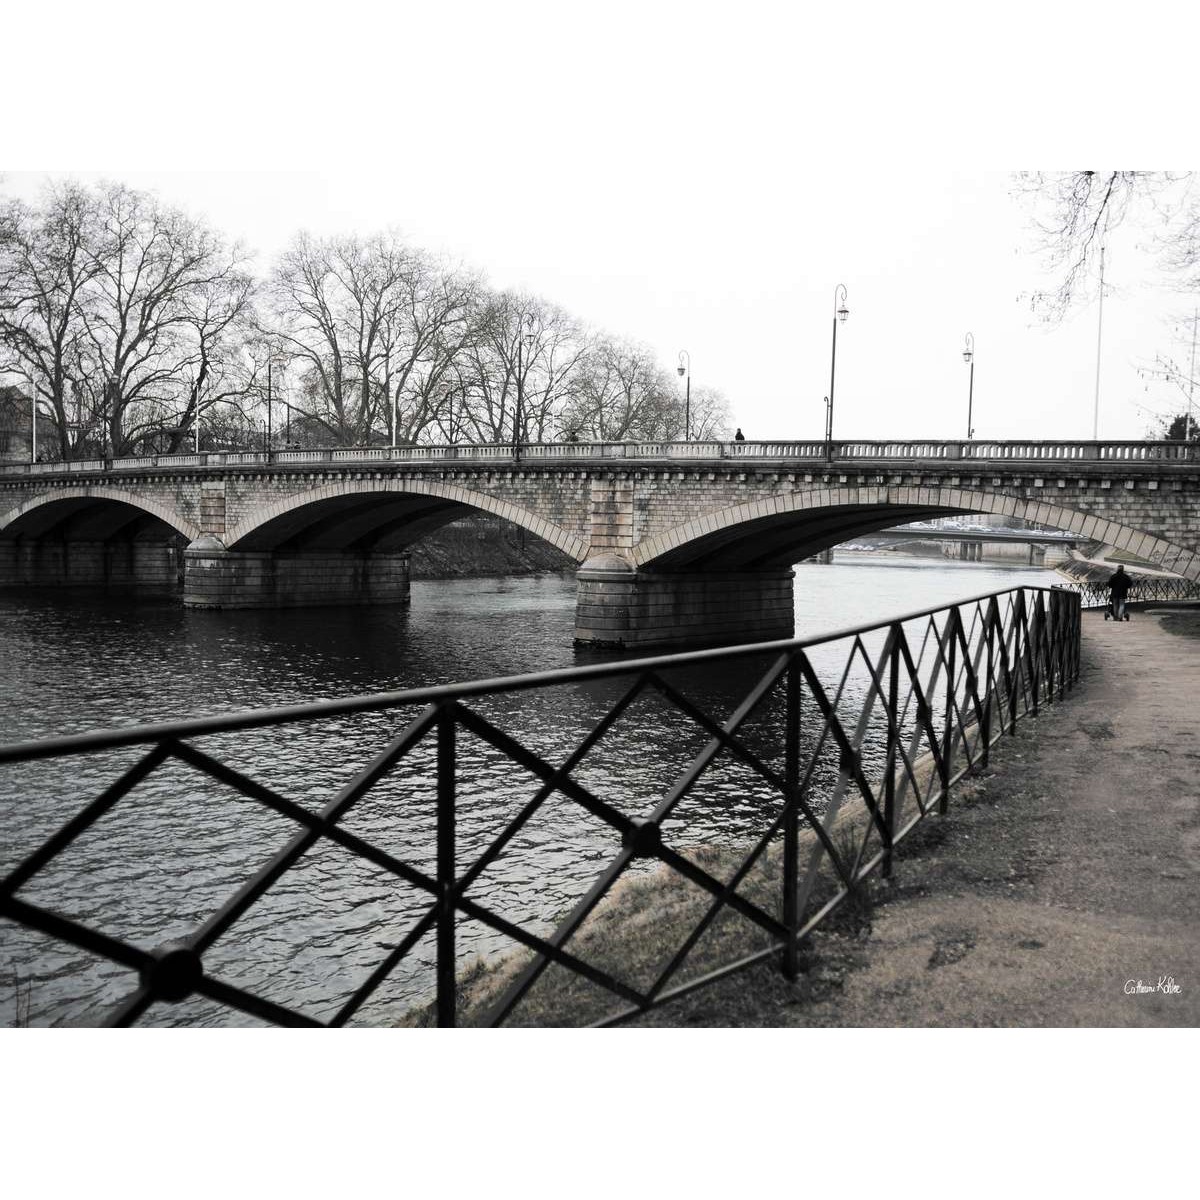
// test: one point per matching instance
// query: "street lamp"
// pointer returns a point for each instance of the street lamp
(32, 421)
(969, 357)
(840, 313)
(107, 445)
(461, 388)
(526, 337)
(686, 372)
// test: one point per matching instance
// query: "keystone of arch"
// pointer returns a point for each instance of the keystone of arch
(163, 512)
(1145, 545)
(571, 545)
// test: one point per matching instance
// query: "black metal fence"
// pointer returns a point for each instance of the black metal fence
(1145, 589)
(890, 716)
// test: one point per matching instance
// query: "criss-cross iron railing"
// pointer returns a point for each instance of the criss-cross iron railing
(918, 703)
(1144, 589)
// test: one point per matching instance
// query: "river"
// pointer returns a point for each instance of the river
(178, 845)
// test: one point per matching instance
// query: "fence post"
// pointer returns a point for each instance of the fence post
(1016, 671)
(1037, 630)
(948, 738)
(989, 685)
(1058, 643)
(893, 740)
(791, 825)
(446, 1005)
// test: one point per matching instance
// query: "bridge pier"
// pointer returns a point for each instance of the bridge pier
(618, 607)
(215, 577)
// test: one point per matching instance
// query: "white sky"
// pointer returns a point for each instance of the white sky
(695, 177)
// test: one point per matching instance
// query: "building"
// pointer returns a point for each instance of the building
(15, 428)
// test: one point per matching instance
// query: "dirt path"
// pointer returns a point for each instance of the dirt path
(1054, 886)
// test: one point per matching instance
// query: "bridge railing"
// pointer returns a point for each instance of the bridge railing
(800, 452)
(840, 745)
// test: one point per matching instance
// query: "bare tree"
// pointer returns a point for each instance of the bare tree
(314, 325)
(374, 325)
(1072, 212)
(710, 415)
(164, 297)
(623, 393)
(425, 340)
(45, 268)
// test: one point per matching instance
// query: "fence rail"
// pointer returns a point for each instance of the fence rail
(936, 690)
(1144, 589)
(972, 452)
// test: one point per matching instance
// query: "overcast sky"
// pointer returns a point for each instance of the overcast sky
(693, 179)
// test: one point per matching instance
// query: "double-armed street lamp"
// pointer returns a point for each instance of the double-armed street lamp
(969, 357)
(524, 339)
(840, 313)
(686, 372)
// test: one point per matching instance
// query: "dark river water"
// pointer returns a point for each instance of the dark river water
(178, 845)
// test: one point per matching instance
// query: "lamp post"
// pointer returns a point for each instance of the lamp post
(686, 372)
(1099, 341)
(461, 389)
(107, 445)
(526, 336)
(840, 313)
(32, 420)
(1187, 424)
(195, 417)
(969, 357)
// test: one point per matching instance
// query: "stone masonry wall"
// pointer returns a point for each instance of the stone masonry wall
(220, 579)
(638, 611)
(149, 568)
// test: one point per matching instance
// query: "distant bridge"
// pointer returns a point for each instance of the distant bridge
(677, 543)
(971, 542)
(1040, 537)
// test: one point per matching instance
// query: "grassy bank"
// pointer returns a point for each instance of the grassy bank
(649, 916)
(644, 921)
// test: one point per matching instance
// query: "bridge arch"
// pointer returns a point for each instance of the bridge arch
(35, 516)
(767, 534)
(380, 516)
(93, 536)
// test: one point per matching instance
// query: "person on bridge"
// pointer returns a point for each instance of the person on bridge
(739, 436)
(1118, 589)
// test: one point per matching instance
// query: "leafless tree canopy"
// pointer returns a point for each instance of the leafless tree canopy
(136, 326)
(1073, 211)
(125, 316)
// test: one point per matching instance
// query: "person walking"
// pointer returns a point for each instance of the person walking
(1118, 589)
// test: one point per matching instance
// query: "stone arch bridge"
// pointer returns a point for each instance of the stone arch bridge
(677, 543)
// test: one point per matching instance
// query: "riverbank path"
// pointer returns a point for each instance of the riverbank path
(1063, 888)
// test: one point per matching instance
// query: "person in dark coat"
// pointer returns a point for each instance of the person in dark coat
(739, 436)
(1118, 589)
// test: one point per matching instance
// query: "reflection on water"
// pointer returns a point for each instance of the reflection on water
(179, 845)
